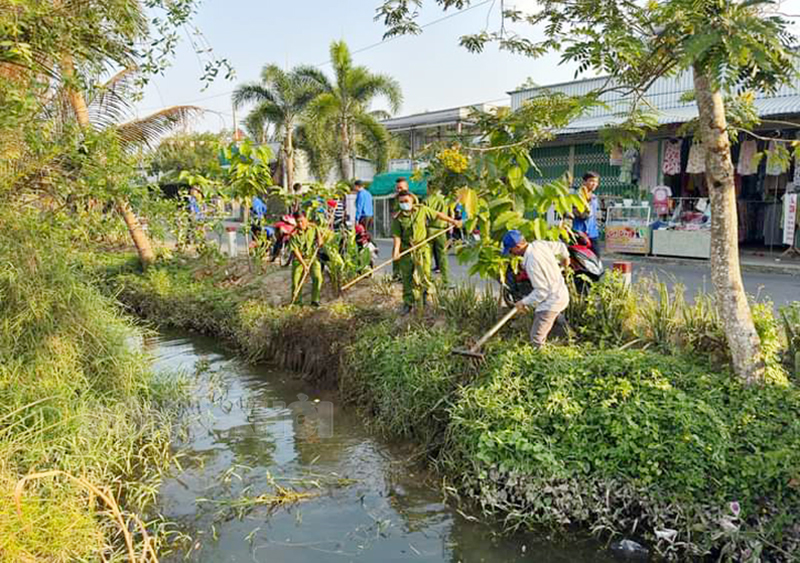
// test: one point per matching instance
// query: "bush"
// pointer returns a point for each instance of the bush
(407, 381)
(466, 307)
(544, 432)
(606, 313)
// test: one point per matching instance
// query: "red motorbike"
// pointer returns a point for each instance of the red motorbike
(586, 267)
(284, 229)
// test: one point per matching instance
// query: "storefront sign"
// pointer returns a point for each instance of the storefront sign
(627, 238)
(789, 218)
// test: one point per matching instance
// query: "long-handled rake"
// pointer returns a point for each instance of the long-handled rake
(475, 352)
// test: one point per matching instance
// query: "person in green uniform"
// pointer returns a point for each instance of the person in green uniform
(303, 246)
(400, 185)
(410, 227)
(438, 202)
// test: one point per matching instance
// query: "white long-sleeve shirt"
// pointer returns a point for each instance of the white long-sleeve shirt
(541, 263)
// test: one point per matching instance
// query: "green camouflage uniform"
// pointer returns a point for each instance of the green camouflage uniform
(306, 243)
(437, 202)
(411, 227)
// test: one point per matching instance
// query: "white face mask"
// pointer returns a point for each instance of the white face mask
(405, 206)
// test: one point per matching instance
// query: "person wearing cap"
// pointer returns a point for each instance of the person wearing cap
(409, 228)
(550, 296)
(304, 245)
(364, 212)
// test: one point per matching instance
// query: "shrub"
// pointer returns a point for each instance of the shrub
(790, 315)
(407, 381)
(606, 313)
(466, 307)
(544, 433)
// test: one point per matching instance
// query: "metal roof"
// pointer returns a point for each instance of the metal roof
(664, 97)
(436, 118)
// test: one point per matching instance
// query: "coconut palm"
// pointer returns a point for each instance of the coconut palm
(105, 108)
(344, 107)
(280, 97)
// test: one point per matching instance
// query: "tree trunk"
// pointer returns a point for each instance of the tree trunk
(726, 275)
(75, 96)
(344, 152)
(140, 239)
(288, 155)
(81, 109)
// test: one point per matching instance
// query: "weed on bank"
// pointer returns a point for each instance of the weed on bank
(77, 403)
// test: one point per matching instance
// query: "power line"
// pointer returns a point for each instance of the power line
(355, 52)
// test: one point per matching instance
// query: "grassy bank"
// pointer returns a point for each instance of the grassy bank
(81, 416)
(655, 441)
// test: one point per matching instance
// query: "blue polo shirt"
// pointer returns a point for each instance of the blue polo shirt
(589, 225)
(363, 204)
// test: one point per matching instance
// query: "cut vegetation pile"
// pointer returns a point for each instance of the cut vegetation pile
(656, 440)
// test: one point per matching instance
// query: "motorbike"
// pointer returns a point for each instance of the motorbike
(364, 240)
(586, 267)
(284, 229)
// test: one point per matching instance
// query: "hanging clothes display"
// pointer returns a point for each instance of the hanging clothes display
(774, 164)
(649, 158)
(796, 179)
(661, 195)
(626, 170)
(747, 156)
(671, 165)
(697, 159)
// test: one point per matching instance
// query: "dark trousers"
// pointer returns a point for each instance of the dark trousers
(596, 246)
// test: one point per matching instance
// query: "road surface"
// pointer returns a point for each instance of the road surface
(779, 287)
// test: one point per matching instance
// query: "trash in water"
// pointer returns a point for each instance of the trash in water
(629, 548)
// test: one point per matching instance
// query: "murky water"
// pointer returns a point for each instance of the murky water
(368, 501)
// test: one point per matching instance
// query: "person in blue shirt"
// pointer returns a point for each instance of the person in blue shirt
(258, 215)
(364, 213)
(195, 207)
(586, 221)
(460, 213)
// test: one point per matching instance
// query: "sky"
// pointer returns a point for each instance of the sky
(433, 70)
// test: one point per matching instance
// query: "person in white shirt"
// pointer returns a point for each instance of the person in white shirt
(550, 297)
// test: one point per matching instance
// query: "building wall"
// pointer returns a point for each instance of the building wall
(555, 161)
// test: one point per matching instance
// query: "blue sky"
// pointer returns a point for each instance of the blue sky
(434, 72)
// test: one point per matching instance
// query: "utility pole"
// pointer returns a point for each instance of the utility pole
(235, 127)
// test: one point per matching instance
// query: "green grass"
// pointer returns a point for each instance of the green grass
(75, 396)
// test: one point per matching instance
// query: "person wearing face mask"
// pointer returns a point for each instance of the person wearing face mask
(550, 296)
(409, 228)
(400, 185)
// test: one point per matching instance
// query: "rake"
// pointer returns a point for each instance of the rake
(475, 352)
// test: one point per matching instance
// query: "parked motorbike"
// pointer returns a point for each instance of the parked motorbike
(364, 240)
(586, 267)
(284, 229)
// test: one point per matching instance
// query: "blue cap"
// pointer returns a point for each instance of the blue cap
(511, 239)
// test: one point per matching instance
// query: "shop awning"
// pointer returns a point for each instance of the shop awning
(383, 184)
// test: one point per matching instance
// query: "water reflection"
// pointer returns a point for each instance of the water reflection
(369, 502)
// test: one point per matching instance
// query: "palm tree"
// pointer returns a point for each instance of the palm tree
(104, 109)
(280, 97)
(344, 108)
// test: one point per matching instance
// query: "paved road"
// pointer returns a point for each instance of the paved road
(780, 288)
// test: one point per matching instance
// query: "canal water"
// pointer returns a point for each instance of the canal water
(253, 431)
